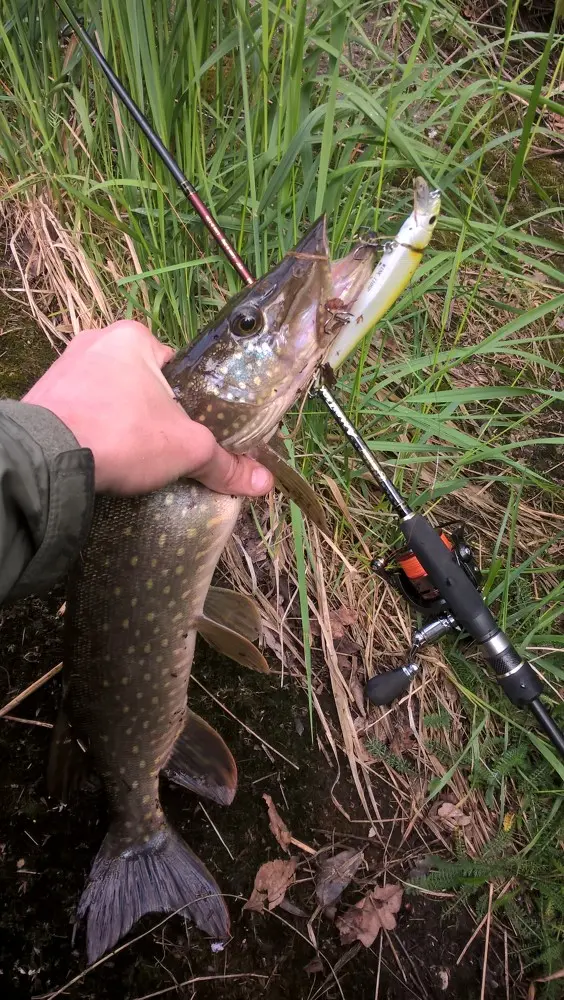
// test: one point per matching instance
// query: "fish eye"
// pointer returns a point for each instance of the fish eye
(246, 322)
(432, 220)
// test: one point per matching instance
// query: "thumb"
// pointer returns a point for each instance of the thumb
(235, 474)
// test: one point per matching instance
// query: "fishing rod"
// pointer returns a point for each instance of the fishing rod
(435, 572)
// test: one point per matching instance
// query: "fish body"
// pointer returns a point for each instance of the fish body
(400, 260)
(141, 592)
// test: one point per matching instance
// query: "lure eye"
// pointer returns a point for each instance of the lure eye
(247, 322)
(432, 220)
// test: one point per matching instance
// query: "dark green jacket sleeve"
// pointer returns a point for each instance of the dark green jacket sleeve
(46, 499)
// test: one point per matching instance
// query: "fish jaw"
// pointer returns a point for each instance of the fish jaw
(242, 386)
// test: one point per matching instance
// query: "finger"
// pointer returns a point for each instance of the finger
(237, 475)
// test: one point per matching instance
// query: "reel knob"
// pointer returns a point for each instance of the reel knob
(385, 688)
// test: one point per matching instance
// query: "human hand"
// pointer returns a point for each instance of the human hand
(108, 388)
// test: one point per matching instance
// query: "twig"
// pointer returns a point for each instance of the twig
(243, 724)
(215, 830)
(29, 690)
(27, 722)
(487, 942)
(469, 942)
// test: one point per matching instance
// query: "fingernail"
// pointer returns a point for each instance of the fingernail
(261, 480)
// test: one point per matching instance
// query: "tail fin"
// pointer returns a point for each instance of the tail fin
(160, 876)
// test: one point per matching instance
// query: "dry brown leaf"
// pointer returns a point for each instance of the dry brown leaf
(451, 816)
(277, 825)
(340, 619)
(364, 921)
(271, 882)
(335, 874)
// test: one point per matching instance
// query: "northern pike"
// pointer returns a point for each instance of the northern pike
(141, 591)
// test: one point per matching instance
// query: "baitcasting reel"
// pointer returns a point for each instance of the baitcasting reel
(403, 571)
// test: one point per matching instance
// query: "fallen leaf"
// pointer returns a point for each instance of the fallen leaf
(340, 619)
(335, 874)
(277, 825)
(271, 882)
(364, 921)
(452, 816)
(316, 965)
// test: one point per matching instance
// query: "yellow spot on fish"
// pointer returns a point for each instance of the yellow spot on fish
(135, 784)
(202, 417)
(128, 530)
(105, 739)
(135, 749)
(180, 551)
(105, 683)
(134, 560)
(125, 709)
(147, 647)
(107, 562)
(209, 408)
(142, 764)
(151, 616)
(162, 540)
(146, 799)
(179, 570)
(134, 601)
(125, 680)
(129, 731)
(131, 650)
(159, 659)
(149, 584)
(171, 604)
(164, 642)
(146, 724)
(122, 770)
(153, 563)
(139, 694)
(213, 521)
(146, 677)
(169, 499)
(166, 590)
(154, 701)
(117, 591)
(178, 617)
(147, 815)
(125, 623)
(191, 533)
(256, 380)
(220, 415)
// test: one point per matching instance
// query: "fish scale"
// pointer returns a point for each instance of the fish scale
(141, 589)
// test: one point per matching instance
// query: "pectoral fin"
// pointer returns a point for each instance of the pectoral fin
(202, 762)
(232, 644)
(235, 611)
(292, 485)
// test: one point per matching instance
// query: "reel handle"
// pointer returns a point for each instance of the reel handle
(383, 689)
